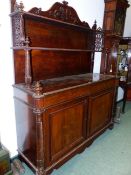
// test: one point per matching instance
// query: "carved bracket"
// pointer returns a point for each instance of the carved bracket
(18, 33)
(99, 40)
(18, 25)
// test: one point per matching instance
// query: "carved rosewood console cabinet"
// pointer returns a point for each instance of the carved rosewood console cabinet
(61, 106)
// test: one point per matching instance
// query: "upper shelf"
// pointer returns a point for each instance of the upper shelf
(52, 49)
(53, 43)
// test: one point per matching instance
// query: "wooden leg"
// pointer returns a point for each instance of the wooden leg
(124, 100)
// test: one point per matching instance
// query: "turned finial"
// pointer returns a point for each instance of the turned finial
(65, 2)
(38, 88)
(94, 25)
(16, 6)
(27, 41)
(19, 7)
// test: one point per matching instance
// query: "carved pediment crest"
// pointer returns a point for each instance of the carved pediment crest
(61, 12)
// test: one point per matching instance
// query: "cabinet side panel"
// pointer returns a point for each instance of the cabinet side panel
(26, 130)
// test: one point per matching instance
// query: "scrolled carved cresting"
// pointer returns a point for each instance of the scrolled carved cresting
(59, 11)
(62, 12)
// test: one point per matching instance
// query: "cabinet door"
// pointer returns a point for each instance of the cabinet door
(65, 128)
(100, 111)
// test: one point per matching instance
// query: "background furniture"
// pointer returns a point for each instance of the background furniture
(124, 69)
(60, 105)
(113, 25)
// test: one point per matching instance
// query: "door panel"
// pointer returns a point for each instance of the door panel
(100, 108)
(67, 128)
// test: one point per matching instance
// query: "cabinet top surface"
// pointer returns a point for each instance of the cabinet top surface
(66, 82)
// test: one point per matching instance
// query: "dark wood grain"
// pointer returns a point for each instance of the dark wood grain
(62, 107)
(43, 31)
(64, 119)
